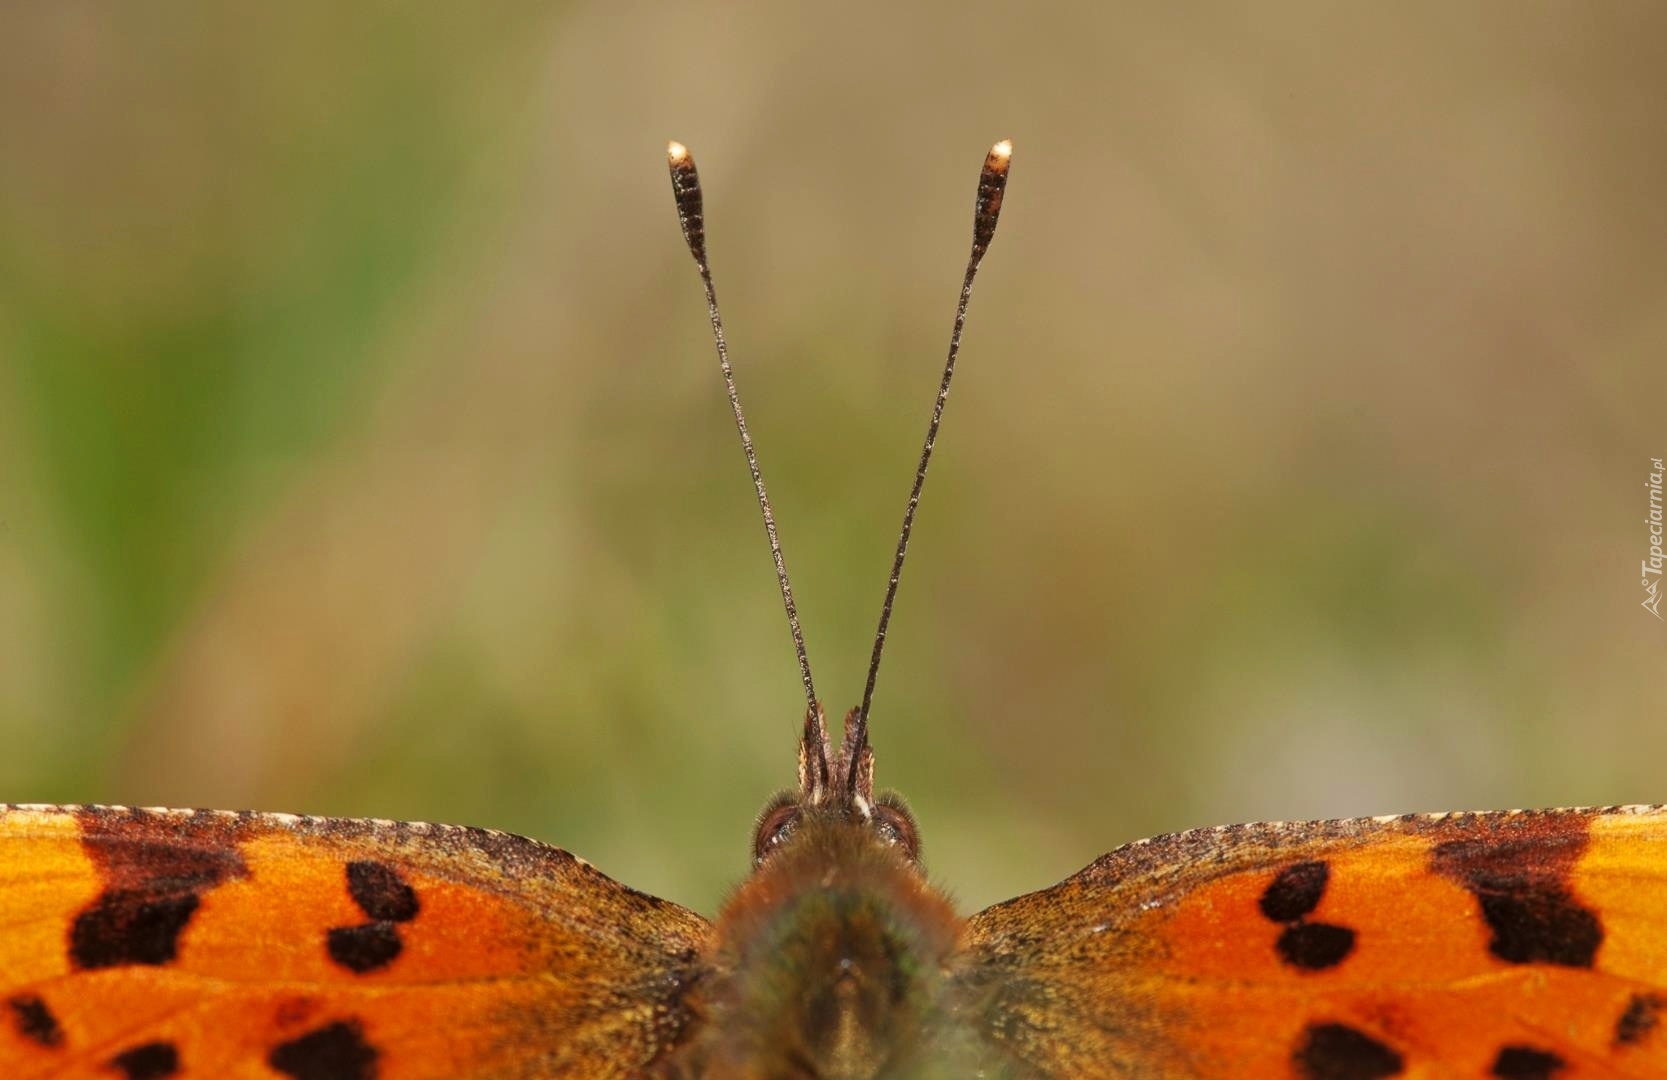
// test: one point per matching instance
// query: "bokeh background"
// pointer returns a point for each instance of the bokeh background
(362, 449)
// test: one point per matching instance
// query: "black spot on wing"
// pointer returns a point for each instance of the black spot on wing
(152, 1061)
(1295, 892)
(1290, 899)
(1526, 1063)
(1542, 926)
(380, 892)
(1339, 1052)
(336, 1051)
(365, 948)
(130, 928)
(35, 1021)
(154, 869)
(1518, 870)
(384, 896)
(1315, 946)
(1642, 1014)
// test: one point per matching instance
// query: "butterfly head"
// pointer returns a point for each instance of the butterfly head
(834, 788)
(833, 950)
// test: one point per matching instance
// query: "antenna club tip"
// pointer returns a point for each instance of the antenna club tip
(676, 152)
(996, 162)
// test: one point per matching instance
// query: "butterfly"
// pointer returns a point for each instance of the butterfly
(145, 944)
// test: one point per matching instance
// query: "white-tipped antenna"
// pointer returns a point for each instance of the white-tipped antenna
(685, 186)
(992, 182)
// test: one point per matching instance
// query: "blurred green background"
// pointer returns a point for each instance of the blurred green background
(362, 449)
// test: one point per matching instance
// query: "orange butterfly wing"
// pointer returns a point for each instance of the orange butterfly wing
(138, 944)
(1526, 945)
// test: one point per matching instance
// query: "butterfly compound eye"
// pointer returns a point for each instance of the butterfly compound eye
(775, 825)
(896, 826)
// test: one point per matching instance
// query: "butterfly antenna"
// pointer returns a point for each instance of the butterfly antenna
(991, 183)
(685, 186)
